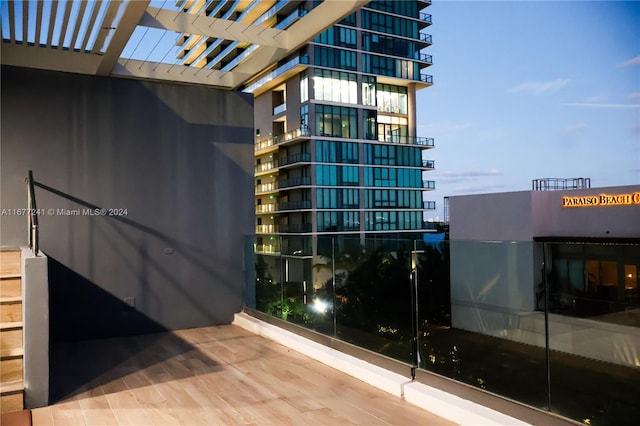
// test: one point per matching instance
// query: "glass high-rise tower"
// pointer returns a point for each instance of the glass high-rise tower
(337, 152)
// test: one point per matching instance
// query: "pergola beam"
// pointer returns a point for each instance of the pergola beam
(92, 20)
(317, 20)
(106, 25)
(23, 55)
(130, 18)
(212, 27)
(122, 18)
(179, 73)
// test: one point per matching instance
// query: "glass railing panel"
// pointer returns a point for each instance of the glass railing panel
(426, 17)
(249, 256)
(482, 316)
(269, 289)
(302, 59)
(297, 286)
(594, 331)
(487, 334)
(429, 184)
(373, 295)
(280, 109)
(308, 288)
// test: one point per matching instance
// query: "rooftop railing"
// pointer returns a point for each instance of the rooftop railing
(497, 316)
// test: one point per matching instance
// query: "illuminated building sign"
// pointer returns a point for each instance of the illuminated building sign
(602, 200)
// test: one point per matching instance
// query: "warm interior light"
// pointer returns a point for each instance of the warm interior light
(319, 306)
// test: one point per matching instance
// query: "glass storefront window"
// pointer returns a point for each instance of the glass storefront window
(589, 280)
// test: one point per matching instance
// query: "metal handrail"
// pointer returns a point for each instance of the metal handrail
(33, 227)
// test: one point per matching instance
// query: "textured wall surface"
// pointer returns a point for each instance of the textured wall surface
(178, 158)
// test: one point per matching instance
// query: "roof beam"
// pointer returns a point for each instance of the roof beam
(38, 22)
(92, 20)
(182, 74)
(317, 20)
(23, 55)
(320, 18)
(52, 22)
(213, 27)
(65, 22)
(25, 21)
(130, 18)
(76, 30)
(12, 22)
(106, 25)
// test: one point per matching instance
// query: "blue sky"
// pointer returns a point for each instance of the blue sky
(525, 90)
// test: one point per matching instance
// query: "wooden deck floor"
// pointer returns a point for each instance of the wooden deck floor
(210, 376)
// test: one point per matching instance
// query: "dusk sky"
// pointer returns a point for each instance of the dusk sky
(522, 90)
(526, 90)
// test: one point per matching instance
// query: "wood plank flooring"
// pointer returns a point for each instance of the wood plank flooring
(211, 376)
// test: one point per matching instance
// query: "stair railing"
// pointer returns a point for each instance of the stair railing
(32, 216)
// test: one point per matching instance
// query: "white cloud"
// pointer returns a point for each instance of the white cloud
(469, 189)
(583, 104)
(634, 96)
(537, 88)
(443, 128)
(595, 98)
(573, 128)
(630, 62)
(461, 176)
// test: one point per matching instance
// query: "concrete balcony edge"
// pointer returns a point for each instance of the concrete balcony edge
(443, 404)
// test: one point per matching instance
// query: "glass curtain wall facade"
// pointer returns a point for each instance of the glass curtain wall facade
(337, 152)
(346, 148)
